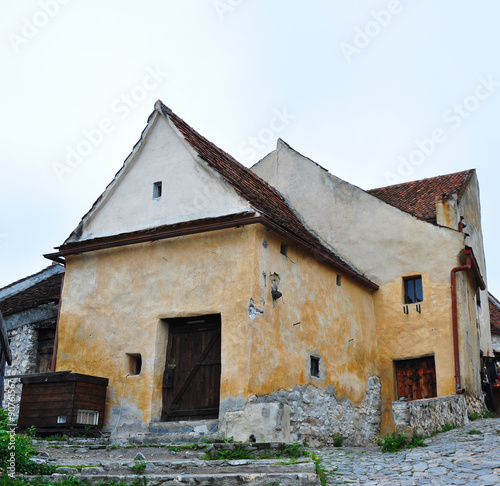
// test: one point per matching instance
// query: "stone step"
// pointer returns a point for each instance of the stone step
(180, 432)
(191, 467)
(224, 479)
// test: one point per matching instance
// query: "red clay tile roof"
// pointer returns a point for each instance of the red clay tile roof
(494, 314)
(44, 292)
(418, 198)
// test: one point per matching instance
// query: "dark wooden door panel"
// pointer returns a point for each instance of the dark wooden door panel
(416, 378)
(191, 382)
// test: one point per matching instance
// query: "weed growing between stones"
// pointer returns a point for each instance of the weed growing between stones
(139, 467)
(320, 470)
(477, 416)
(338, 439)
(475, 432)
(238, 453)
(394, 443)
(22, 446)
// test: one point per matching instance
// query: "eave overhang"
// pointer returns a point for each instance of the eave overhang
(203, 226)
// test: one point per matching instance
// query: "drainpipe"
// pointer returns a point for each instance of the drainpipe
(454, 316)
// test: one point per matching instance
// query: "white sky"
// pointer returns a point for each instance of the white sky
(357, 84)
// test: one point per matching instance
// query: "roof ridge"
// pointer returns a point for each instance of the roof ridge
(468, 171)
(24, 279)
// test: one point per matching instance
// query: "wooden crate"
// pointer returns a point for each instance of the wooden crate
(62, 402)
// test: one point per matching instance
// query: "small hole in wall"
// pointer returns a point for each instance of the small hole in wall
(314, 366)
(284, 249)
(339, 280)
(134, 364)
(157, 189)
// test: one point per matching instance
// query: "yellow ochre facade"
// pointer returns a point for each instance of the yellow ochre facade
(307, 275)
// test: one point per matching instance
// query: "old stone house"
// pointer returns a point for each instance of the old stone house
(281, 302)
(30, 307)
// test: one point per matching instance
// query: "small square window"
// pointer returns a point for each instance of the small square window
(413, 290)
(314, 366)
(134, 364)
(284, 249)
(157, 187)
(339, 280)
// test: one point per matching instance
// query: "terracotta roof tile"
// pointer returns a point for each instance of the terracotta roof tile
(44, 292)
(494, 314)
(418, 198)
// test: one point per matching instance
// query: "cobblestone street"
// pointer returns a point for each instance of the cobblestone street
(468, 455)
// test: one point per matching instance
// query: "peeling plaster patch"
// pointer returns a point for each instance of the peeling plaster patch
(253, 311)
(231, 404)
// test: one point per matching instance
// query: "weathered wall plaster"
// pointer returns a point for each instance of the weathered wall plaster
(116, 301)
(388, 244)
(190, 189)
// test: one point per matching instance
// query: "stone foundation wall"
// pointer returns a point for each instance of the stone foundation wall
(426, 416)
(475, 403)
(317, 413)
(23, 344)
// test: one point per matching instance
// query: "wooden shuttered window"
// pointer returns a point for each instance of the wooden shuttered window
(416, 378)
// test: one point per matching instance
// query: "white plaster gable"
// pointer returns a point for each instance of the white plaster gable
(380, 240)
(191, 190)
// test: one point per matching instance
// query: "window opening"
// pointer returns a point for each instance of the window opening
(339, 280)
(413, 290)
(157, 190)
(134, 364)
(284, 249)
(314, 366)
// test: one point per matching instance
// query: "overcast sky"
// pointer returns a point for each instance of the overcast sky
(377, 92)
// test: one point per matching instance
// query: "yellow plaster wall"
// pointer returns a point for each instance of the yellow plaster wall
(314, 316)
(114, 301)
(413, 335)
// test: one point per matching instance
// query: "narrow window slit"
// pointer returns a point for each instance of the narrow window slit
(314, 366)
(157, 190)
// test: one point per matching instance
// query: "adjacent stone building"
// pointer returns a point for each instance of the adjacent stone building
(279, 295)
(30, 307)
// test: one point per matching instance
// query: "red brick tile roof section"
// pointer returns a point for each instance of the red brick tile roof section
(418, 198)
(494, 314)
(44, 292)
(263, 197)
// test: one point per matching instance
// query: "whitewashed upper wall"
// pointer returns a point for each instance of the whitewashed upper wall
(190, 189)
(380, 240)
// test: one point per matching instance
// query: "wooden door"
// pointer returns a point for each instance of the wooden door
(191, 381)
(416, 378)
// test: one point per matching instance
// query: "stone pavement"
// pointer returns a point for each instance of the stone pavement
(457, 457)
